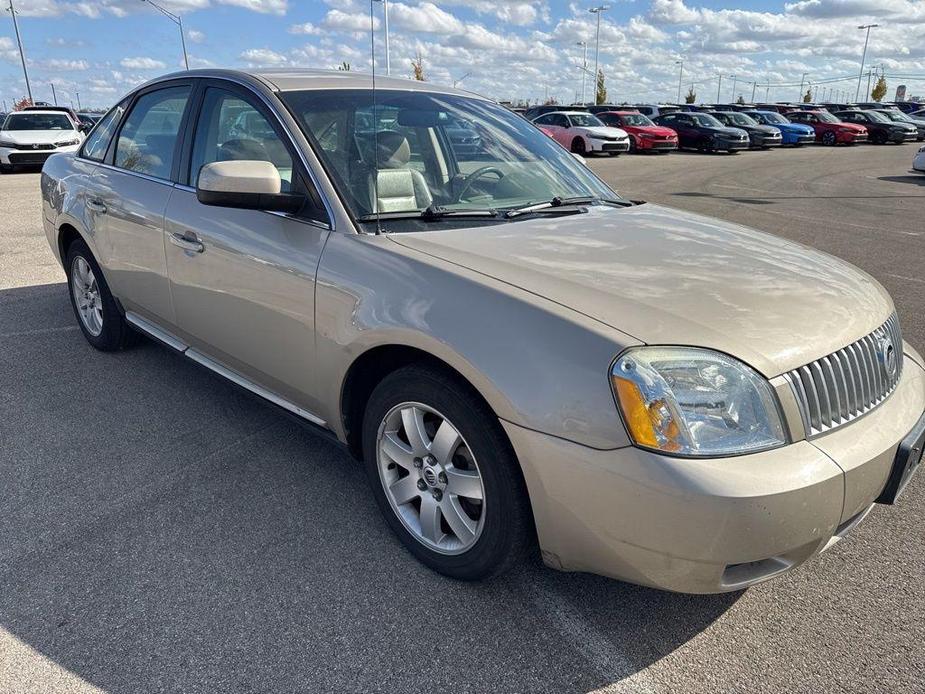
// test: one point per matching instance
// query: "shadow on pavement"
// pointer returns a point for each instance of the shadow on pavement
(163, 530)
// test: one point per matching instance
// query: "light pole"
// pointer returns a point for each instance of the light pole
(176, 19)
(599, 10)
(22, 55)
(460, 79)
(680, 77)
(54, 96)
(734, 80)
(754, 87)
(719, 88)
(78, 101)
(864, 57)
(584, 67)
(388, 56)
(802, 79)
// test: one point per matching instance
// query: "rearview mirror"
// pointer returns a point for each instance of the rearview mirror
(245, 184)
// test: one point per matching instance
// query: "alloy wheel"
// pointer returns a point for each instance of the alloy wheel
(431, 478)
(87, 296)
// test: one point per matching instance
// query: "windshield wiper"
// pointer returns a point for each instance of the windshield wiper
(431, 213)
(554, 206)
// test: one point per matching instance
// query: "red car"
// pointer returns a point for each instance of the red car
(645, 136)
(829, 129)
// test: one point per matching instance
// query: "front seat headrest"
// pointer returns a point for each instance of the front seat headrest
(394, 150)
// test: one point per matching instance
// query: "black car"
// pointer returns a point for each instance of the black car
(880, 128)
(702, 131)
(909, 107)
(759, 135)
(900, 117)
(536, 111)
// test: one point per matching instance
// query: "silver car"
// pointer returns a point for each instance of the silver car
(523, 360)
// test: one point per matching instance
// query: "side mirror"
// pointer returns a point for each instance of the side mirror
(245, 184)
(84, 128)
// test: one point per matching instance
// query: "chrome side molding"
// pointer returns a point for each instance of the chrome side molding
(174, 342)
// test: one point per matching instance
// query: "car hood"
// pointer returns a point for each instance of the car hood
(664, 276)
(795, 128)
(658, 130)
(848, 126)
(725, 130)
(42, 137)
(761, 129)
(605, 131)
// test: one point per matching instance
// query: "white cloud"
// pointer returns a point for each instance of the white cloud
(349, 21)
(142, 63)
(307, 28)
(425, 18)
(195, 36)
(59, 64)
(263, 57)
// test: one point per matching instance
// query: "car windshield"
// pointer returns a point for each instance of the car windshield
(422, 151)
(585, 120)
(705, 120)
(826, 117)
(769, 118)
(38, 121)
(734, 118)
(898, 116)
(878, 117)
(634, 119)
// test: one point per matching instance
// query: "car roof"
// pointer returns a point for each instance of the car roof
(620, 113)
(39, 111)
(294, 79)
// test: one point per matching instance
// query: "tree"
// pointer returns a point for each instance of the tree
(691, 96)
(879, 90)
(808, 96)
(22, 103)
(601, 95)
(417, 68)
(551, 101)
(740, 100)
(344, 66)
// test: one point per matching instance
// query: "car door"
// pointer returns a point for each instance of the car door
(548, 123)
(243, 281)
(128, 196)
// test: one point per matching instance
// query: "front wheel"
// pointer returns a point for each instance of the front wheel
(578, 146)
(444, 475)
(828, 138)
(94, 306)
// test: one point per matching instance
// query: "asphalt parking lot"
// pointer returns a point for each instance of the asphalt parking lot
(162, 531)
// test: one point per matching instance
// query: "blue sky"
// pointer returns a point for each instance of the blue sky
(507, 49)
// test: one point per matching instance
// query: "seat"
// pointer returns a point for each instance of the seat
(395, 187)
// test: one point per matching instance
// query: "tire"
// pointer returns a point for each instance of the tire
(614, 154)
(828, 138)
(498, 528)
(6, 168)
(578, 146)
(633, 148)
(103, 324)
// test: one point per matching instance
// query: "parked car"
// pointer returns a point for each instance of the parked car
(830, 130)
(877, 105)
(899, 117)
(534, 112)
(518, 355)
(760, 136)
(880, 129)
(598, 108)
(833, 107)
(654, 110)
(703, 132)
(29, 137)
(918, 161)
(779, 108)
(908, 106)
(584, 133)
(71, 113)
(796, 134)
(89, 119)
(645, 136)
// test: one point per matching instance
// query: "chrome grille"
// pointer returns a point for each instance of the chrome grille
(840, 387)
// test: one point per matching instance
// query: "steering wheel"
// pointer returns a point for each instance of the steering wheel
(474, 176)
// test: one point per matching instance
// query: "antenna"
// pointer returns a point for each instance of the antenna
(372, 55)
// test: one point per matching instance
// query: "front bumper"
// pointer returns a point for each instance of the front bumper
(648, 143)
(30, 157)
(608, 145)
(759, 141)
(851, 137)
(731, 144)
(713, 525)
(798, 138)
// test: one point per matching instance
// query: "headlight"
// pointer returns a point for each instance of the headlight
(68, 143)
(11, 145)
(695, 402)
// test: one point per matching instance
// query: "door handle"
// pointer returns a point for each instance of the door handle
(186, 243)
(96, 206)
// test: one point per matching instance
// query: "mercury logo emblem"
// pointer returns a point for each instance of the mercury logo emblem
(430, 476)
(887, 354)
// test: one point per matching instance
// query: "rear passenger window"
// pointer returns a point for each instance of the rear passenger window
(148, 139)
(98, 140)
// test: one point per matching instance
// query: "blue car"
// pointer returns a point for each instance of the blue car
(795, 134)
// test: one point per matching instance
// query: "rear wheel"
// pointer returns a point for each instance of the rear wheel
(444, 475)
(97, 314)
(828, 138)
(578, 146)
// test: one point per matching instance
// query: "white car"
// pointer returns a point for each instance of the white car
(28, 138)
(583, 133)
(918, 162)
